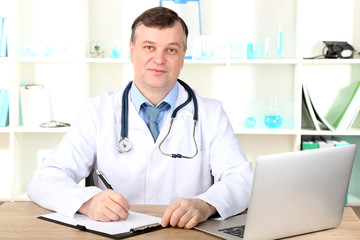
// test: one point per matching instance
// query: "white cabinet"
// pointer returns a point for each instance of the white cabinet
(48, 43)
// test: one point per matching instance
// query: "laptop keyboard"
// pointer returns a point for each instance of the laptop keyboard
(235, 231)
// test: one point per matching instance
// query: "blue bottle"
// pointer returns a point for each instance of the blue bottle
(250, 122)
(273, 119)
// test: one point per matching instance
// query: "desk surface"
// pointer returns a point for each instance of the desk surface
(18, 220)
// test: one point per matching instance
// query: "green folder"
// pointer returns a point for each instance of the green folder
(306, 145)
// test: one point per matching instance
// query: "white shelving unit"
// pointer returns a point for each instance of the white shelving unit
(67, 27)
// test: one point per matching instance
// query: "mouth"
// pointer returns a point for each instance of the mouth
(157, 71)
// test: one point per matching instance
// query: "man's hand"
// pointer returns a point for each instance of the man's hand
(187, 213)
(106, 206)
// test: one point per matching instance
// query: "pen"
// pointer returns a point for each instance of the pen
(104, 179)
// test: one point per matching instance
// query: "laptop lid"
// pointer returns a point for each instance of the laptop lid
(299, 192)
(293, 193)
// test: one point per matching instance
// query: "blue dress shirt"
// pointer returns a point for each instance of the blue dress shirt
(138, 99)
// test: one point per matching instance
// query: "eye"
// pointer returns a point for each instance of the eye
(150, 48)
(172, 50)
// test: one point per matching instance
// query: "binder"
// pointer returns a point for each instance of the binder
(3, 37)
(136, 224)
(34, 104)
(306, 97)
(319, 121)
(347, 117)
(4, 107)
(306, 145)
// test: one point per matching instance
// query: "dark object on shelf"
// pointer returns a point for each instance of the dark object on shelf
(338, 50)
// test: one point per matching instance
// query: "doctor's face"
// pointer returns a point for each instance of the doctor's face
(158, 57)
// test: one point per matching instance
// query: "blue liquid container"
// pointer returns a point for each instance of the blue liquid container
(280, 44)
(250, 122)
(252, 51)
(273, 121)
(115, 53)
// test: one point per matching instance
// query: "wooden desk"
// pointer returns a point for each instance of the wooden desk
(18, 220)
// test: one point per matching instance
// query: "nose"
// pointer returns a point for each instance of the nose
(159, 57)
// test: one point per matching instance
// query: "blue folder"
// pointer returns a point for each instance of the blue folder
(3, 37)
(4, 107)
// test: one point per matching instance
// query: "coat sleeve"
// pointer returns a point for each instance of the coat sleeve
(232, 173)
(55, 183)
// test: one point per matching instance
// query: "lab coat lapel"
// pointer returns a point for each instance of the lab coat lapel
(134, 120)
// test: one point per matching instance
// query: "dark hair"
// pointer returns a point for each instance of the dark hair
(159, 17)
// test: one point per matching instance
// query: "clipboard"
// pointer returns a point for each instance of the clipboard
(34, 104)
(136, 224)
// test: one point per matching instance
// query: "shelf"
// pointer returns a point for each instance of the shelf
(107, 60)
(4, 59)
(331, 61)
(46, 60)
(264, 61)
(265, 132)
(330, 133)
(35, 129)
(5, 129)
(205, 61)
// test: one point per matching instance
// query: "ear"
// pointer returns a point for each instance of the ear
(131, 51)
(183, 60)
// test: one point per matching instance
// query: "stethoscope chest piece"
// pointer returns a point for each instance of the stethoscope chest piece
(124, 145)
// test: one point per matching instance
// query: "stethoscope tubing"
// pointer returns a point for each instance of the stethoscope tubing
(125, 145)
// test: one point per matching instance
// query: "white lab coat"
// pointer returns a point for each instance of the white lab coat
(219, 174)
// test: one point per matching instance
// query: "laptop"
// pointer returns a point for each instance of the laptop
(293, 193)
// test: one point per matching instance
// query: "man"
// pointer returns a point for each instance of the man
(144, 175)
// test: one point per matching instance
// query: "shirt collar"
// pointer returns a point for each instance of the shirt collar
(138, 99)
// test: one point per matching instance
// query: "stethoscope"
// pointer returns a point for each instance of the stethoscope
(125, 145)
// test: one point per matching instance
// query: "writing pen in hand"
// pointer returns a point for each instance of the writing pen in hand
(104, 179)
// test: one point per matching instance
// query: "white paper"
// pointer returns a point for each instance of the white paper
(115, 227)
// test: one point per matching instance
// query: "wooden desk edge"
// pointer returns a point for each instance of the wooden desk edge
(24, 213)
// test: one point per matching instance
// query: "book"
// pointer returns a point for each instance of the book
(350, 112)
(135, 224)
(4, 107)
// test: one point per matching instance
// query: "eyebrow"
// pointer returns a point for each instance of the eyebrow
(170, 43)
